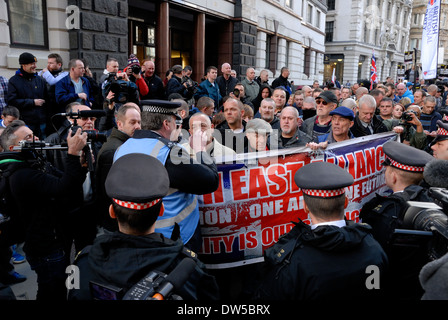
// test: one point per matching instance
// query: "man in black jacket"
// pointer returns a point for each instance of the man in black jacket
(282, 81)
(328, 259)
(366, 123)
(137, 184)
(38, 193)
(175, 84)
(28, 92)
(128, 120)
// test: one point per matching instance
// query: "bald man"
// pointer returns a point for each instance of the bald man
(225, 81)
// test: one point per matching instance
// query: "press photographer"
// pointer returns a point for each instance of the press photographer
(41, 193)
(134, 73)
(410, 130)
(122, 88)
(186, 88)
(81, 226)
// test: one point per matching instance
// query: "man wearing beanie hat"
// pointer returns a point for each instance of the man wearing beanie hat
(137, 184)
(134, 72)
(327, 259)
(404, 175)
(28, 92)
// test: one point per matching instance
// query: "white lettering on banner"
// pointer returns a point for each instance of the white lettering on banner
(257, 203)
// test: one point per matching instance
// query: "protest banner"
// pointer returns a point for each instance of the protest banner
(257, 200)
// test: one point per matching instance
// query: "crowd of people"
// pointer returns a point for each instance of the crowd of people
(102, 193)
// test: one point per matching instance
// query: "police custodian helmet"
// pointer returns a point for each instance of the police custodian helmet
(137, 181)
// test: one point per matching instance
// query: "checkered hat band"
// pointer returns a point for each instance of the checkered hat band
(157, 109)
(445, 117)
(136, 206)
(405, 167)
(442, 132)
(324, 193)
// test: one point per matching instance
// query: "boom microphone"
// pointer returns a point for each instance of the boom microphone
(436, 173)
(84, 113)
(176, 279)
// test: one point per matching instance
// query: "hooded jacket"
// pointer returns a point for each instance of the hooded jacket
(122, 260)
(325, 263)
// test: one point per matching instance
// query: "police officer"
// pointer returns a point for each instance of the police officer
(327, 259)
(439, 146)
(137, 184)
(189, 177)
(404, 176)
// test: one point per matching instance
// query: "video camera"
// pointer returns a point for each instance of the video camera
(155, 285)
(124, 91)
(429, 222)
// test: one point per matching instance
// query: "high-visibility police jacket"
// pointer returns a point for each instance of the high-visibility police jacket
(180, 207)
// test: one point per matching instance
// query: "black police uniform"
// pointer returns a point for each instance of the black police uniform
(121, 260)
(328, 262)
(386, 213)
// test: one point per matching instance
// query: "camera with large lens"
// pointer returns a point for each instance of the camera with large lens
(430, 219)
(407, 116)
(92, 135)
(136, 69)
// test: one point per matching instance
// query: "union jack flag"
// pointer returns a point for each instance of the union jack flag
(373, 74)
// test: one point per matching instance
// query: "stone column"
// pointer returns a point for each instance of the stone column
(199, 47)
(163, 40)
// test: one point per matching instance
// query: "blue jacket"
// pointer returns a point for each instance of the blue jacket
(65, 92)
(206, 89)
(407, 94)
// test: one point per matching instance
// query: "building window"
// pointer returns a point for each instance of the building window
(28, 23)
(307, 62)
(318, 19)
(288, 3)
(143, 40)
(309, 14)
(271, 52)
(331, 4)
(329, 29)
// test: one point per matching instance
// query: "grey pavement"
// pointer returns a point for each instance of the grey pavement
(25, 290)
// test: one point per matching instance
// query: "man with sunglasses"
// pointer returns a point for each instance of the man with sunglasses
(189, 176)
(81, 226)
(320, 124)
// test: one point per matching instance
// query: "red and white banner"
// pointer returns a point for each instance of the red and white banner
(257, 200)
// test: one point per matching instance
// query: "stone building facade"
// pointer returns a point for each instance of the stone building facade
(265, 34)
(416, 31)
(358, 28)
